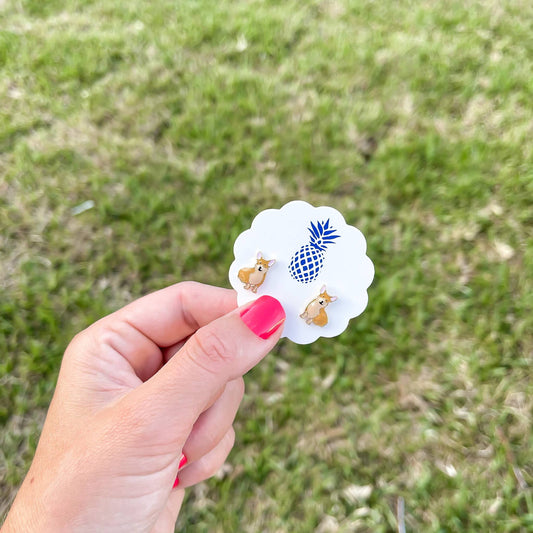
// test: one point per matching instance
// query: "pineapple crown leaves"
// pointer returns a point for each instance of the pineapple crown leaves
(322, 235)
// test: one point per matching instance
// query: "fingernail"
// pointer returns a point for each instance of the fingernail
(263, 316)
(182, 463)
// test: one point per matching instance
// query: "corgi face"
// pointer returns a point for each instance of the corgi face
(262, 265)
(324, 299)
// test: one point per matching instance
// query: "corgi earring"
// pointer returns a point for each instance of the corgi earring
(315, 311)
(254, 277)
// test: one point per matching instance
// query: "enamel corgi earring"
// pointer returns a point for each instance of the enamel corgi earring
(315, 311)
(254, 277)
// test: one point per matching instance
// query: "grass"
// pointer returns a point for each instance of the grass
(181, 120)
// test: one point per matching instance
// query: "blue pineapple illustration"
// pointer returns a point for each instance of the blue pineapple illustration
(309, 259)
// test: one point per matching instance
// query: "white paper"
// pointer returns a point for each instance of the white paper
(295, 234)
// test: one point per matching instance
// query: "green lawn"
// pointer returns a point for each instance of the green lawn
(182, 120)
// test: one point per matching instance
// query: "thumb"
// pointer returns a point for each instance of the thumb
(217, 353)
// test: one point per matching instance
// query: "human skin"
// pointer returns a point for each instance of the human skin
(137, 391)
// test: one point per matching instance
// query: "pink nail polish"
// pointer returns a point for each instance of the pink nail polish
(263, 316)
(182, 463)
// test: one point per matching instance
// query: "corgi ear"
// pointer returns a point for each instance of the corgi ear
(259, 255)
(271, 262)
(323, 289)
(333, 298)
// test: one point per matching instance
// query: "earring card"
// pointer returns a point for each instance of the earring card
(312, 261)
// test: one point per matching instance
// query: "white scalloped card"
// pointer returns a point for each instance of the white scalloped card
(312, 261)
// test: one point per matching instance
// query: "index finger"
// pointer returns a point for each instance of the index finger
(173, 313)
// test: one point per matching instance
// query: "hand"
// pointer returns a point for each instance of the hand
(157, 379)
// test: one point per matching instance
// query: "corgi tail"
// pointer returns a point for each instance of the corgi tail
(322, 318)
(242, 276)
